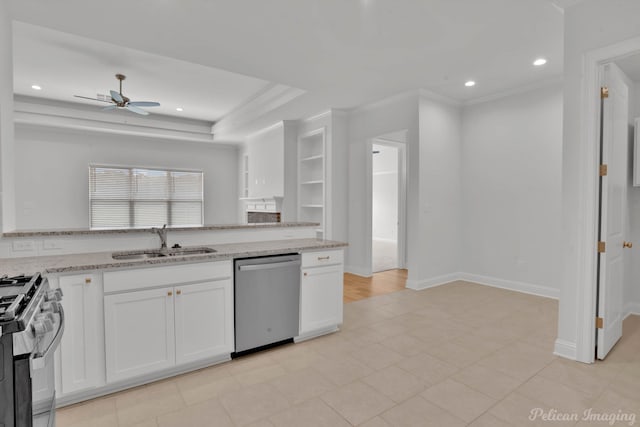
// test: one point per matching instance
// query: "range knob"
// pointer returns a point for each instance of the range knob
(47, 318)
(53, 295)
(38, 327)
(55, 306)
(50, 307)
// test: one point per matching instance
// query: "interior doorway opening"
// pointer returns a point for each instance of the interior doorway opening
(619, 189)
(388, 201)
(384, 216)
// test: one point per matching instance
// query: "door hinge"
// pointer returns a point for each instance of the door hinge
(603, 170)
(604, 92)
(601, 247)
(599, 322)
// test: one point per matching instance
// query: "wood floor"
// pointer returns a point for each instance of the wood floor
(358, 287)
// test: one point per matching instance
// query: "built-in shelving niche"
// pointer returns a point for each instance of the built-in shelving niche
(312, 179)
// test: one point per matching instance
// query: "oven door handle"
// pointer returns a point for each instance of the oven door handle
(38, 359)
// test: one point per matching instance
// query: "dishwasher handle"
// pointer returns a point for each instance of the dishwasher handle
(267, 266)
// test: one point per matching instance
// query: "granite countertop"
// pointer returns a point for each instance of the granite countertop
(104, 260)
(83, 231)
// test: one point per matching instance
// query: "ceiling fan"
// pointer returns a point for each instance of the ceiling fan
(118, 100)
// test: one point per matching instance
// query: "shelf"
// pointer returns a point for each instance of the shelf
(316, 157)
(318, 181)
(312, 206)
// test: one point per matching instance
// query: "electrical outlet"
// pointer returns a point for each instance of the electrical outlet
(24, 246)
(51, 244)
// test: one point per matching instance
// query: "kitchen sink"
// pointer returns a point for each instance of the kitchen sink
(148, 254)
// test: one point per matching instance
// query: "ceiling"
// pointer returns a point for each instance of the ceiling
(212, 56)
(64, 65)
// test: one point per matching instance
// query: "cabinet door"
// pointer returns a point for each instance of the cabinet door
(320, 298)
(139, 333)
(82, 349)
(204, 320)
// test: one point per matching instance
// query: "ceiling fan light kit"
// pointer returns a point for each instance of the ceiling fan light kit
(118, 100)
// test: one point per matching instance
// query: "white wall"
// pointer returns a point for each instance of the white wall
(365, 124)
(52, 173)
(511, 183)
(7, 190)
(266, 162)
(434, 250)
(385, 193)
(589, 24)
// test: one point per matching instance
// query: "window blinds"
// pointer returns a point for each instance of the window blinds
(123, 197)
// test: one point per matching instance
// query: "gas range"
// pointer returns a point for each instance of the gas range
(31, 326)
(19, 297)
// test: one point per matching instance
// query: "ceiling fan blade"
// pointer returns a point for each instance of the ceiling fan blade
(116, 96)
(92, 99)
(136, 110)
(110, 107)
(144, 104)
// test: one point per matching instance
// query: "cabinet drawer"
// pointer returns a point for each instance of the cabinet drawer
(315, 259)
(155, 276)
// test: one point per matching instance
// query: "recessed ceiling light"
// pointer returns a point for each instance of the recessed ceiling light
(179, 109)
(470, 83)
(540, 61)
(36, 87)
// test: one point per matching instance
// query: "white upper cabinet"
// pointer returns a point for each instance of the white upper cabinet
(266, 163)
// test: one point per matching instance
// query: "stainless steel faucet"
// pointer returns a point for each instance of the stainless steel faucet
(162, 233)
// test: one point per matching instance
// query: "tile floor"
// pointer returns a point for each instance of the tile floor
(456, 355)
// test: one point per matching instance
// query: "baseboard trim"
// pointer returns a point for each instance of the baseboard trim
(527, 288)
(566, 349)
(357, 271)
(632, 308)
(418, 285)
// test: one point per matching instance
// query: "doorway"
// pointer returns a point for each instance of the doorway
(388, 200)
(614, 73)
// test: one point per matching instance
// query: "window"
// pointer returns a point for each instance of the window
(127, 197)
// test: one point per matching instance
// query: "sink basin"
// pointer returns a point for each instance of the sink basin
(190, 251)
(140, 255)
(137, 255)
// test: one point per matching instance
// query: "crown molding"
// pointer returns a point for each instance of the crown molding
(50, 114)
(385, 101)
(272, 96)
(426, 93)
(317, 116)
(561, 5)
(540, 84)
(269, 128)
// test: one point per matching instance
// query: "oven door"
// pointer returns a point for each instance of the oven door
(42, 371)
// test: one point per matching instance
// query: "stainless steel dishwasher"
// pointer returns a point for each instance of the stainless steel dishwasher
(267, 300)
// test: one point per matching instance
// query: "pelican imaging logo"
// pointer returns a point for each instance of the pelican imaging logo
(589, 415)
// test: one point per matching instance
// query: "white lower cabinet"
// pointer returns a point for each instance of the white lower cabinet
(139, 333)
(81, 352)
(204, 320)
(156, 329)
(320, 292)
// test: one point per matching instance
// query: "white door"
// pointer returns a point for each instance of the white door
(320, 298)
(204, 320)
(613, 209)
(139, 333)
(81, 349)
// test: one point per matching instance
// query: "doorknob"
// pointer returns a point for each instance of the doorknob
(627, 245)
